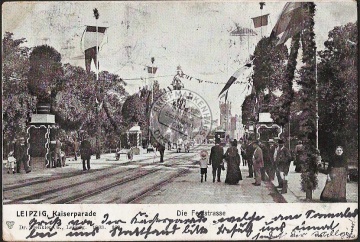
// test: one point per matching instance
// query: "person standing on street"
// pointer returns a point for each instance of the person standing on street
(58, 144)
(249, 152)
(76, 147)
(203, 164)
(258, 162)
(20, 154)
(282, 159)
(300, 156)
(266, 158)
(85, 153)
(242, 152)
(232, 157)
(272, 167)
(335, 187)
(161, 148)
(216, 158)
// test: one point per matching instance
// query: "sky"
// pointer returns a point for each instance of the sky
(192, 34)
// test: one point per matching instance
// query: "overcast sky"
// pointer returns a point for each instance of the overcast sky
(194, 35)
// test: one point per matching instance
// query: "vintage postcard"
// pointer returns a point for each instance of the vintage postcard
(179, 120)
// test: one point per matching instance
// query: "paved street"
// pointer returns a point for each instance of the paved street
(145, 180)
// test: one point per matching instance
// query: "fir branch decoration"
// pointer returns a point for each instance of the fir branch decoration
(308, 82)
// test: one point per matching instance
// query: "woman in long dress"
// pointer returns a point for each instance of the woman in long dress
(335, 187)
(232, 157)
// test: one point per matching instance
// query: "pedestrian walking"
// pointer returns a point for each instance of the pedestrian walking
(300, 156)
(203, 164)
(76, 148)
(258, 163)
(169, 145)
(282, 159)
(20, 155)
(161, 148)
(11, 161)
(335, 187)
(85, 153)
(232, 158)
(249, 152)
(272, 167)
(216, 159)
(266, 160)
(243, 153)
(57, 156)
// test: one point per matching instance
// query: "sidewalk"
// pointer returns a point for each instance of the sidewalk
(295, 195)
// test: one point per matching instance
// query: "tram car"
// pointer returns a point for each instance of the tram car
(220, 134)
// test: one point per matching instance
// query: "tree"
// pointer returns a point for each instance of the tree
(73, 105)
(17, 104)
(338, 91)
(45, 72)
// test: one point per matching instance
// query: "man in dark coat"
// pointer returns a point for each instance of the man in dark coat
(258, 163)
(282, 159)
(266, 158)
(271, 167)
(85, 152)
(249, 153)
(215, 159)
(161, 148)
(20, 154)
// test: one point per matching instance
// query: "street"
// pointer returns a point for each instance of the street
(143, 180)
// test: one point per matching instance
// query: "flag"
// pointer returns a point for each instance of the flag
(90, 39)
(236, 76)
(289, 22)
(152, 70)
(260, 21)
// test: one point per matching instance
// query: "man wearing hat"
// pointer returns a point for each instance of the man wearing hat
(258, 162)
(20, 154)
(282, 158)
(216, 158)
(271, 170)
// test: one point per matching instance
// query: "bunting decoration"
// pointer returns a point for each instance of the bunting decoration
(290, 21)
(91, 36)
(260, 21)
(236, 75)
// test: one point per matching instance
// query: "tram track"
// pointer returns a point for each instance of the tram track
(79, 173)
(135, 199)
(49, 194)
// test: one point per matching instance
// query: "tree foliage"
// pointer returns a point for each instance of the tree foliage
(45, 72)
(274, 71)
(17, 104)
(338, 92)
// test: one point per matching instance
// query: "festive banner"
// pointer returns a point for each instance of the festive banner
(260, 21)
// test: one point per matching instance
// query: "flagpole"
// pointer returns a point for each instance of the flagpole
(96, 15)
(317, 105)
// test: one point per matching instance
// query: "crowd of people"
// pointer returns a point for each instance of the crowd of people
(269, 161)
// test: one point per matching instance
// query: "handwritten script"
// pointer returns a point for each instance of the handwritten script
(247, 225)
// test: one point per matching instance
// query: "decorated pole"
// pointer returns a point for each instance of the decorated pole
(309, 124)
(96, 15)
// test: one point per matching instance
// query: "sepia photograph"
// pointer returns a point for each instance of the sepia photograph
(179, 113)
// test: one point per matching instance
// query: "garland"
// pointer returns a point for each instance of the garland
(283, 110)
(308, 82)
(211, 82)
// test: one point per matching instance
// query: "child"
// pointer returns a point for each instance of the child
(11, 162)
(203, 164)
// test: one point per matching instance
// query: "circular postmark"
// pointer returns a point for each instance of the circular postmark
(180, 117)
